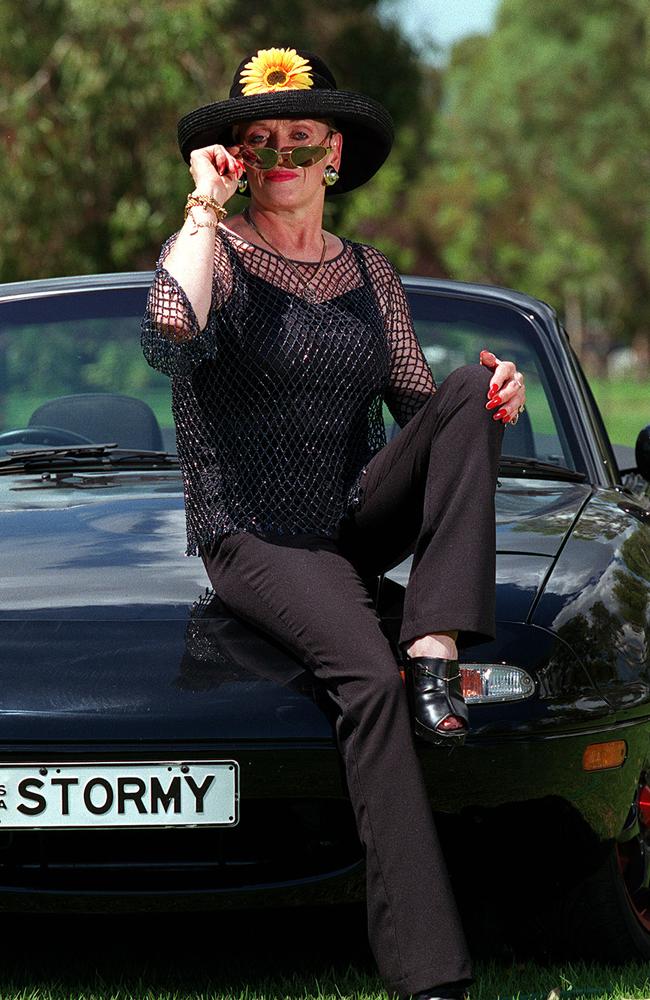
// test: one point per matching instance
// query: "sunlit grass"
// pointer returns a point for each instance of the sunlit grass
(624, 405)
(494, 981)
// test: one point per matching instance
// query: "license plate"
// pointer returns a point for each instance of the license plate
(114, 794)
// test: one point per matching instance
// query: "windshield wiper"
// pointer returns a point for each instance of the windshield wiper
(523, 466)
(109, 454)
(83, 456)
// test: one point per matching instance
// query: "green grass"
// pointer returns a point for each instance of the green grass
(624, 404)
(625, 407)
(495, 981)
(18, 407)
(281, 955)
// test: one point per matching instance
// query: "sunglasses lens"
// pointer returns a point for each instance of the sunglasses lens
(263, 158)
(306, 156)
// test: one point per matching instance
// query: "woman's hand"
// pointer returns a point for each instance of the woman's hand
(507, 392)
(216, 170)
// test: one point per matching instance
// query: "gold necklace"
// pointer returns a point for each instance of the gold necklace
(309, 292)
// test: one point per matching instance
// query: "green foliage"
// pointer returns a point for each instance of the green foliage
(76, 356)
(523, 163)
(93, 89)
(539, 173)
(90, 173)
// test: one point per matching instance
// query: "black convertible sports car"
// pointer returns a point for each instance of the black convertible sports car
(156, 752)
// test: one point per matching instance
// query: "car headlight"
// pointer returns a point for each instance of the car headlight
(489, 682)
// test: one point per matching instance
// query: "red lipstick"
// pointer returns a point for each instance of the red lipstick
(280, 175)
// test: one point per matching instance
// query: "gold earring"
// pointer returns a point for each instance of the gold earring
(330, 175)
(242, 183)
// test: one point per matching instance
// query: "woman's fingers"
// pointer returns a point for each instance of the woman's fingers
(228, 164)
(488, 359)
(507, 392)
(503, 371)
(217, 168)
(216, 157)
(506, 403)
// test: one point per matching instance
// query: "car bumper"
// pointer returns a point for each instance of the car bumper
(296, 841)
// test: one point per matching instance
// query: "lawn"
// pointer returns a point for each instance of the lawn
(287, 955)
(498, 982)
(625, 406)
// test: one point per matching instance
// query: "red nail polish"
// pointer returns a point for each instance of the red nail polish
(500, 414)
(495, 401)
(493, 389)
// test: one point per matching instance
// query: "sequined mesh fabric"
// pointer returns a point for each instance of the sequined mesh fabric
(278, 400)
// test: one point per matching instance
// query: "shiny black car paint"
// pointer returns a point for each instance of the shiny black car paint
(111, 650)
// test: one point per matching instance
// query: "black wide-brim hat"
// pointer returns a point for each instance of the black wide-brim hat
(295, 90)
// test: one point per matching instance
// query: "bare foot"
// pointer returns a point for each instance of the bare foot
(442, 644)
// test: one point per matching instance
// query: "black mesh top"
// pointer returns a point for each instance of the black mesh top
(278, 400)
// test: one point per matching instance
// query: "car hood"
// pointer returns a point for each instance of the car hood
(98, 599)
(534, 516)
(533, 520)
(100, 554)
(209, 678)
(115, 552)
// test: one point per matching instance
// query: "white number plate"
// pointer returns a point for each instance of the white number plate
(155, 793)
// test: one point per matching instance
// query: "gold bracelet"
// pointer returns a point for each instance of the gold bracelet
(205, 201)
(200, 225)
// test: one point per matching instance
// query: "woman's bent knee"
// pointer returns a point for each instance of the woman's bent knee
(474, 375)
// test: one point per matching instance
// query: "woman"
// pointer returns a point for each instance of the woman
(282, 340)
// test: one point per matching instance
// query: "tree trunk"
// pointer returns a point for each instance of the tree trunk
(641, 348)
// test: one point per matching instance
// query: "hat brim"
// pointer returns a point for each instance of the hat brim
(366, 125)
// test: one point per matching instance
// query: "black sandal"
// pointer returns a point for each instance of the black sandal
(435, 694)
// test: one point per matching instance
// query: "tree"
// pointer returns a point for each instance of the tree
(91, 91)
(540, 176)
(91, 171)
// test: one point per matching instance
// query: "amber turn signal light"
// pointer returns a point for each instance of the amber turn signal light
(600, 756)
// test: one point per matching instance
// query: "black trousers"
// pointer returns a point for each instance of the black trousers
(429, 491)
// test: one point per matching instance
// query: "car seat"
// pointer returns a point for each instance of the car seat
(103, 417)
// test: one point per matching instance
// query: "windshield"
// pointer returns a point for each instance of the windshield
(72, 371)
(454, 330)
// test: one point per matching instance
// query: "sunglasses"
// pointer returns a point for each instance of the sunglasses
(264, 157)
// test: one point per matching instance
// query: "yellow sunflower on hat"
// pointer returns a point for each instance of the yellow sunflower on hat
(275, 69)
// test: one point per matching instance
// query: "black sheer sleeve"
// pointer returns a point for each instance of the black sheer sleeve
(411, 382)
(172, 340)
